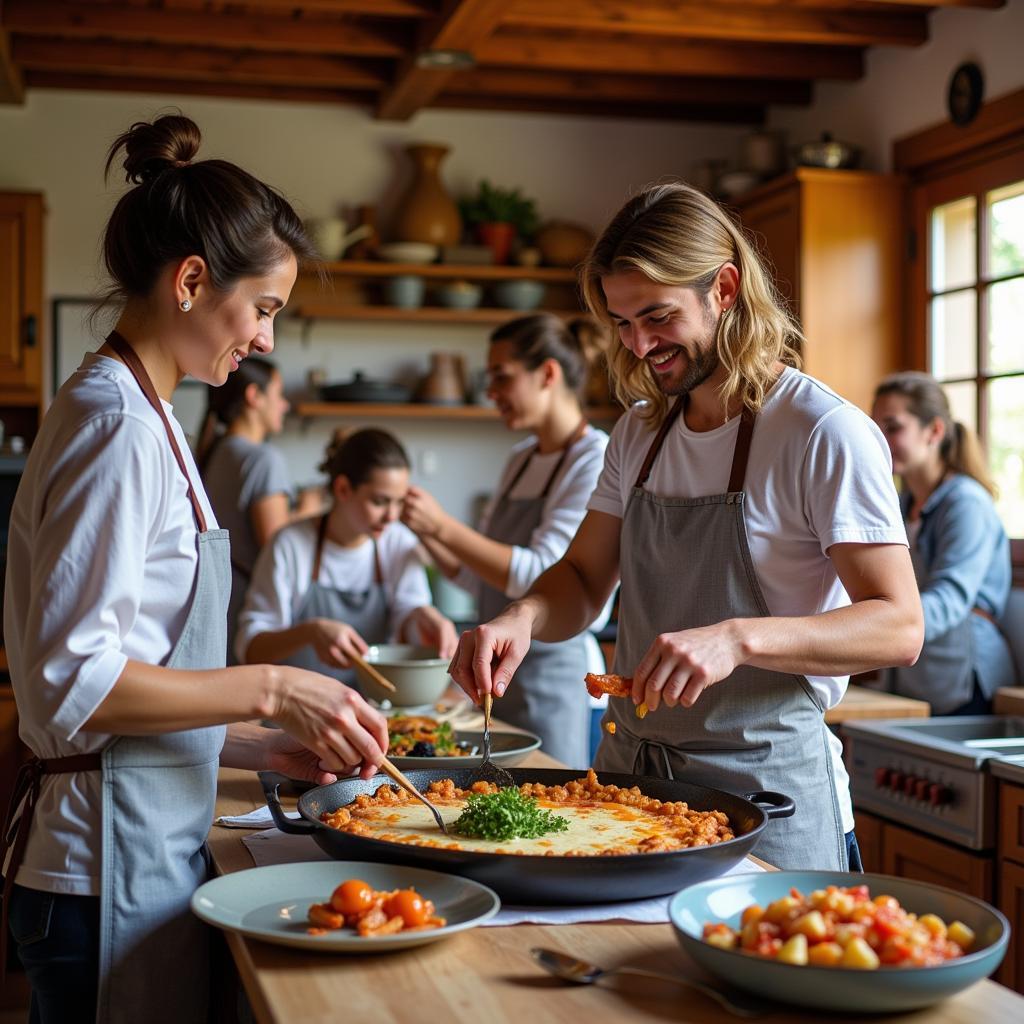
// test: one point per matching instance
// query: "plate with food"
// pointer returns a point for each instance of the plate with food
(344, 907)
(417, 741)
(809, 937)
(641, 837)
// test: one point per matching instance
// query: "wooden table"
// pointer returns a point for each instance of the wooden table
(1009, 701)
(487, 974)
(861, 702)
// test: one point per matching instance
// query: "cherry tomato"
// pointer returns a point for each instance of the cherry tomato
(352, 897)
(409, 906)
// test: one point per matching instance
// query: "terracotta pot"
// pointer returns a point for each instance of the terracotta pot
(427, 213)
(498, 236)
(445, 384)
(563, 244)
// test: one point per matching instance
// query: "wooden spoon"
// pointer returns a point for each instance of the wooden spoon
(373, 673)
(397, 775)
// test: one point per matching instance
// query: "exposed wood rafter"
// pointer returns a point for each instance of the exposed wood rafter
(12, 86)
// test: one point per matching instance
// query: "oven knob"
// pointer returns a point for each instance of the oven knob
(939, 795)
(921, 789)
(881, 778)
(896, 780)
(910, 784)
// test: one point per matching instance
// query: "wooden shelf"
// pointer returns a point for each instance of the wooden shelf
(324, 310)
(456, 271)
(420, 411)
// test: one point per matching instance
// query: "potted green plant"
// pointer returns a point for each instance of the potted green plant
(500, 215)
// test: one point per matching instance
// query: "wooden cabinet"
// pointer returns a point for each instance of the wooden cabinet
(868, 830)
(836, 240)
(912, 855)
(1011, 880)
(21, 298)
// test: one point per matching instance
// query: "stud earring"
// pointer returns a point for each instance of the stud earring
(186, 305)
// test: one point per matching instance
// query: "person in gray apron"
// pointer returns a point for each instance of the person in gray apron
(103, 848)
(537, 366)
(317, 617)
(958, 544)
(732, 684)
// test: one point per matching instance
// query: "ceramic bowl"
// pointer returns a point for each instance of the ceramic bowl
(518, 294)
(408, 252)
(419, 675)
(885, 990)
(460, 295)
(405, 291)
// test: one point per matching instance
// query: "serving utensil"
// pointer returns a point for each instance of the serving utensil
(389, 769)
(373, 673)
(488, 771)
(568, 968)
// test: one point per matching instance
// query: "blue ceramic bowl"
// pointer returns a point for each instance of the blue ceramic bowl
(523, 295)
(885, 990)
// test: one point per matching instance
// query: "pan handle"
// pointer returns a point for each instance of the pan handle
(774, 805)
(272, 783)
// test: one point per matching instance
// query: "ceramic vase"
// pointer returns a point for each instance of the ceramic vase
(445, 384)
(427, 213)
(498, 236)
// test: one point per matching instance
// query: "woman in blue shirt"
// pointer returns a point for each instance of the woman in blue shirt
(960, 550)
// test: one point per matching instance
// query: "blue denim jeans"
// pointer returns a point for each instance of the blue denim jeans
(853, 852)
(58, 941)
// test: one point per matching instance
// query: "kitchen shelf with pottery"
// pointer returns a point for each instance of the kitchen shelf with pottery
(421, 411)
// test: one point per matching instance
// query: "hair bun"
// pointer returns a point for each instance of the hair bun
(153, 147)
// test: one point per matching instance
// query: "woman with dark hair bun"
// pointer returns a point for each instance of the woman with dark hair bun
(326, 588)
(247, 480)
(117, 594)
(960, 551)
(537, 367)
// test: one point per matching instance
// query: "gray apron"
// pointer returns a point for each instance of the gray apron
(547, 696)
(685, 563)
(366, 611)
(158, 800)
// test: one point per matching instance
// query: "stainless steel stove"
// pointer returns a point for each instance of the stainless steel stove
(931, 773)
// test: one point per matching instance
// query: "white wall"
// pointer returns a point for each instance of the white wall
(904, 88)
(324, 157)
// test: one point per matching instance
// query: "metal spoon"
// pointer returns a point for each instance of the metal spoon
(568, 968)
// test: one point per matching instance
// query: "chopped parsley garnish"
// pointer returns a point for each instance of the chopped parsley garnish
(505, 815)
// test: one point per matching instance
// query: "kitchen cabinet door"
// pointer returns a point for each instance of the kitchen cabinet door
(1011, 903)
(1011, 822)
(912, 855)
(21, 298)
(869, 838)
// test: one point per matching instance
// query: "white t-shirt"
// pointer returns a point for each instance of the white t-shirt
(819, 474)
(284, 568)
(101, 564)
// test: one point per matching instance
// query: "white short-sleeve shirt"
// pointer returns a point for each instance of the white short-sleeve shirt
(101, 565)
(819, 474)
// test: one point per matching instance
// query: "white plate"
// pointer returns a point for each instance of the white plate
(271, 903)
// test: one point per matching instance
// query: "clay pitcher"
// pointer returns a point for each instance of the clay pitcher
(427, 213)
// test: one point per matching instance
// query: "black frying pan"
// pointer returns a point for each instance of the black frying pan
(536, 879)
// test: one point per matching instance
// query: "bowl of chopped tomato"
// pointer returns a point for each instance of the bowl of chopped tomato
(810, 937)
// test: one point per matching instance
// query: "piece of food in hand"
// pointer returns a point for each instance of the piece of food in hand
(842, 927)
(609, 727)
(354, 904)
(615, 686)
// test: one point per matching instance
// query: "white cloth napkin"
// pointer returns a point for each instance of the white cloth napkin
(259, 818)
(276, 847)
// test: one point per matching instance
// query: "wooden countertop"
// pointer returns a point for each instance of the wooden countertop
(1009, 701)
(860, 702)
(487, 974)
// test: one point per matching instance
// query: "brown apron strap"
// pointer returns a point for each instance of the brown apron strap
(741, 452)
(138, 371)
(16, 829)
(659, 440)
(321, 533)
(581, 429)
(378, 572)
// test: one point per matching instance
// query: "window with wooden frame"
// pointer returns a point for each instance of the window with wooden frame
(966, 297)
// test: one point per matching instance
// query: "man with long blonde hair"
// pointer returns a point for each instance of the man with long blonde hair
(753, 523)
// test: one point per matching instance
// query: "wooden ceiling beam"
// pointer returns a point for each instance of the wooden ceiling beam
(731, 114)
(232, 31)
(12, 85)
(990, 5)
(568, 51)
(697, 19)
(461, 25)
(190, 87)
(497, 83)
(374, 8)
(186, 62)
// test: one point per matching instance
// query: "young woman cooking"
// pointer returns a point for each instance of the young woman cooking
(117, 593)
(537, 367)
(328, 587)
(959, 548)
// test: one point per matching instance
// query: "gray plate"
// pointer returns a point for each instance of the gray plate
(270, 903)
(507, 749)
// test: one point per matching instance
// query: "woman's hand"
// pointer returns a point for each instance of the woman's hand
(423, 514)
(432, 629)
(335, 642)
(488, 656)
(285, 754)
(678, 667)
(331, 720)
